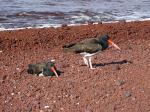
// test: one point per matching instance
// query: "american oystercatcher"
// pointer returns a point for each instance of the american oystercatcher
(43, 69)
(89, 47)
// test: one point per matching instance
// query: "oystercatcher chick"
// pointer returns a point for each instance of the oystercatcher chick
(89, 47)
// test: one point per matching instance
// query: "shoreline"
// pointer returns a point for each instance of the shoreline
(60, 25)
(115, 84)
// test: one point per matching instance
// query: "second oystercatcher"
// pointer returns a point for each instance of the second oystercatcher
(43, 69)
(89, 47)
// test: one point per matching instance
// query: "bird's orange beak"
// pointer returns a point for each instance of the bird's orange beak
(53, 69)
(111, 43)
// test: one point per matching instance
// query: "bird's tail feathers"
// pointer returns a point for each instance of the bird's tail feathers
(69, 45)
(67, 48)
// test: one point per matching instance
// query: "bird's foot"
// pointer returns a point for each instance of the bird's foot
(92, 68)
(87, 65)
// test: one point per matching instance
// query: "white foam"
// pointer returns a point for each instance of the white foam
(9, 29)
(59, 25)
(81, 17)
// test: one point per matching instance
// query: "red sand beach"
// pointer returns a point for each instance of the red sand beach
(120, 82)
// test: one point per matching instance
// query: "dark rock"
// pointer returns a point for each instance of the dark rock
(64, 25)
(90, 22)
(100, 23)
(4, 77)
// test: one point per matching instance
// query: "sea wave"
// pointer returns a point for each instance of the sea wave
(21, 14)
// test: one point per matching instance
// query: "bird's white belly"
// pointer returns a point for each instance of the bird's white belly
(85, 54)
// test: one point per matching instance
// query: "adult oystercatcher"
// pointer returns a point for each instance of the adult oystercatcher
(89, 47)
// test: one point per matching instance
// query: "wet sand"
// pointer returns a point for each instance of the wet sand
(120, 82)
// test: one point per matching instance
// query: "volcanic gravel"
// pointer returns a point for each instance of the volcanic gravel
(120, 82)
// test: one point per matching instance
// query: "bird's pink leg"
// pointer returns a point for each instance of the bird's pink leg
(85, 61)
(90, 62)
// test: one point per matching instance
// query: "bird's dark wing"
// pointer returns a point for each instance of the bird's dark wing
(90, 41)
(86, 41)
(69, 45)
(89, 45)
(89, 48)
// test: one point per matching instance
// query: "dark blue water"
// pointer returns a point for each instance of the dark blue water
(44, 13)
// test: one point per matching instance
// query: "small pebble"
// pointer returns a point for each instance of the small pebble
(12, 94)
(66, 95)
(119, 82)
(18, 69)
(64, 25)
(61, 108)
(127, 93)
(4, 77)
(142, 91)
(107, 95)
(1, 51)
(134, 99)
(78, 103)
(46, 106)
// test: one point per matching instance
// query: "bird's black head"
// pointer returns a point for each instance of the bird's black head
(104, 41)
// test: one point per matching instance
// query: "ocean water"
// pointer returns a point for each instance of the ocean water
(45, 13)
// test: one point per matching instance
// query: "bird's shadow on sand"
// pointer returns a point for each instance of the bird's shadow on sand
(111, 63)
